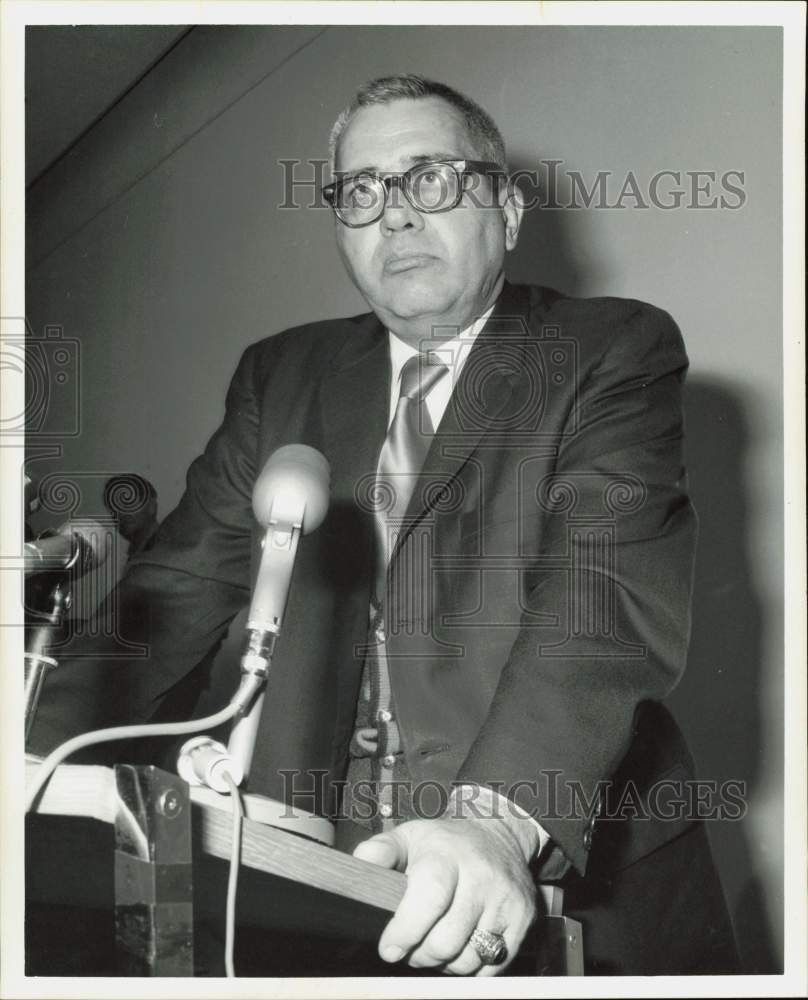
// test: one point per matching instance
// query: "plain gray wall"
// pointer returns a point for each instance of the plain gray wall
(157, 243)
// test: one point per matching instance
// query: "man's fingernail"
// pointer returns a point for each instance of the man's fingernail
(392, 953)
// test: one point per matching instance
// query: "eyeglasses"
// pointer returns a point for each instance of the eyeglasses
(360, 199)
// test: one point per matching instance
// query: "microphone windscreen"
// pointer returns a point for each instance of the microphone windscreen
(293, 488)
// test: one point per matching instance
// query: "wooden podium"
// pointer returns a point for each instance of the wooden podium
(137, 843)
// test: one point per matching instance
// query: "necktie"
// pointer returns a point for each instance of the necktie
(375, 754)
(402, 455)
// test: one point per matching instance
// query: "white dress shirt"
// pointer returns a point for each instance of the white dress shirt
(453, 353)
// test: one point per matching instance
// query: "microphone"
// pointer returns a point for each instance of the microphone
(290, 498)
(74, 547)
(75, 550)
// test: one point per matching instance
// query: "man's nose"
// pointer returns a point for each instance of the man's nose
(398, 212)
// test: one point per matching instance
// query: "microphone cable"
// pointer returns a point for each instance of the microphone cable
(250, 685)
(232, 879)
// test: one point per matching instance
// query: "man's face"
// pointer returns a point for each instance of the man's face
(419, 270)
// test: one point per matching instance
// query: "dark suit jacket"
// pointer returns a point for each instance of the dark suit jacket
(553, 537)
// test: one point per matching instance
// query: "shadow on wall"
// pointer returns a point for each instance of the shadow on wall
(719, 700)
(553, 245)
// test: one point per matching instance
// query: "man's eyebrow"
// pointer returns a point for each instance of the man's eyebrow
(415, 159)
(435, 157)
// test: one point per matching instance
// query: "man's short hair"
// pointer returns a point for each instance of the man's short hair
(480, 125)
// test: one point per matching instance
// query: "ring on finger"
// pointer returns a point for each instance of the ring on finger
(489, 945)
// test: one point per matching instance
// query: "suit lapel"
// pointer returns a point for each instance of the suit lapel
(355, 399)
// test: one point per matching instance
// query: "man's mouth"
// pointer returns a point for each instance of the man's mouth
(407, 262)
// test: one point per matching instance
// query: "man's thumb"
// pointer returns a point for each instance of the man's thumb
(385, 849)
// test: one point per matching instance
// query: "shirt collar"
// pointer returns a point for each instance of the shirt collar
(453, 353)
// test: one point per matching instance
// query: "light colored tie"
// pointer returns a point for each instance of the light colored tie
(403, 453)
(400, 461)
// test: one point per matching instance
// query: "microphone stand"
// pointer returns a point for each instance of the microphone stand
(37, 661)
(203, 760)
(263, 628)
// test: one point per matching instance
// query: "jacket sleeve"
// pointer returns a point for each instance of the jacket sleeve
(175, 601)
(617, 511)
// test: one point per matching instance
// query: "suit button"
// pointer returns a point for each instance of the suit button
(386, 811)
(588, 839)
(389, 760)
(385, 716)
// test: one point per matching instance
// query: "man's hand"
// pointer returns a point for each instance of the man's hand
(462, 873)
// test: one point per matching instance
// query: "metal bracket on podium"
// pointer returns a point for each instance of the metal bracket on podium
(153, 873)
(560, 950)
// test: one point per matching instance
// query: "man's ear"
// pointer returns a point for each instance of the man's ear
(513, 207)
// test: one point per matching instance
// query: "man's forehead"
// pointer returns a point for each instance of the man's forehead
(389, 136)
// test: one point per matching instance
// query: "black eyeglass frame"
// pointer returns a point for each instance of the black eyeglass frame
(462, 168)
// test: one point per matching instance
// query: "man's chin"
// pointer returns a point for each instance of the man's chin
(414, 299)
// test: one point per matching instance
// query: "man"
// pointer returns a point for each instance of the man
(508, 511)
